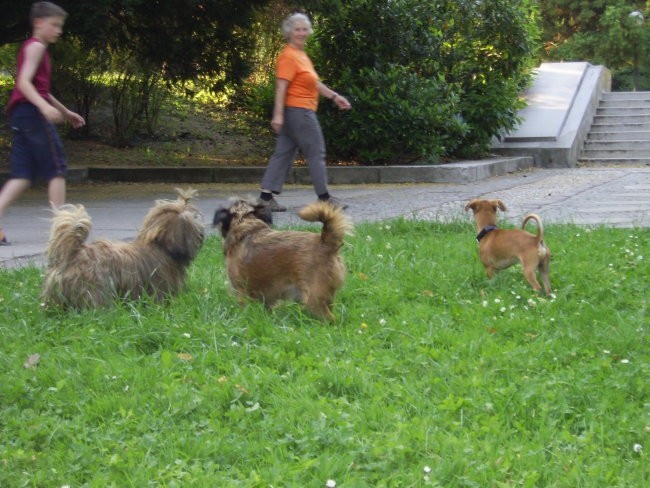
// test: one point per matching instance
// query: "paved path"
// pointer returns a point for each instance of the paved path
(617, 196)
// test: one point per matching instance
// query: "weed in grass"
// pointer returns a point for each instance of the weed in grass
(432, 375)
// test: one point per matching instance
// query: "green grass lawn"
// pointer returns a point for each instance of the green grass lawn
(432, 375)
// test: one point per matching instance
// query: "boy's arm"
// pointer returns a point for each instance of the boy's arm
(54, 111)
(74, 118)
(33, 55)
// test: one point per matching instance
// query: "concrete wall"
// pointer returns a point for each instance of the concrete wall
(561, 104)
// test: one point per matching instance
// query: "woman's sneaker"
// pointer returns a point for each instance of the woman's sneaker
(335, 202)
(272, 204)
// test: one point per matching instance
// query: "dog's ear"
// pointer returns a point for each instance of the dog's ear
(500, 205)
(471, 204)
(263, 212)
(222, 219)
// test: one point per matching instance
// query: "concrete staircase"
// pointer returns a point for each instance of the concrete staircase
(620, 131)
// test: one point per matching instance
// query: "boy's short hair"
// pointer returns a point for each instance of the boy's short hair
(41, 10)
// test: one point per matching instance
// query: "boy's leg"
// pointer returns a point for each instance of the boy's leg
(56, 191)
(11, 190)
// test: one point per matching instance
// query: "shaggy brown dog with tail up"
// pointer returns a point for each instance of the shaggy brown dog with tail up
(269, 265)
(92, 275)
(501, 248)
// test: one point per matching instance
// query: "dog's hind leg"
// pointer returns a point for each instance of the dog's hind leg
(529, 273)
(318, 305)
(544, 271)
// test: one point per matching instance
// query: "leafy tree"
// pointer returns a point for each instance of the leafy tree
(602, 32)
(183, 38)
(469, 59)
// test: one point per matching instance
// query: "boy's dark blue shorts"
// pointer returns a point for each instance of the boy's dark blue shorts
(36, 149)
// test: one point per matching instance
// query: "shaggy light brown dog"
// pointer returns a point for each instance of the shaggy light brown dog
(84, 275)
(269, 265)
(501, 248)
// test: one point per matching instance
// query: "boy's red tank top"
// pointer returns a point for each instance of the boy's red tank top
(41, 80)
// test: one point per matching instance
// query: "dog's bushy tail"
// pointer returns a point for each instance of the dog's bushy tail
(71, 226)
(335, 223)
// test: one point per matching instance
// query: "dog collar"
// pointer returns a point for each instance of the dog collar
(486, 230)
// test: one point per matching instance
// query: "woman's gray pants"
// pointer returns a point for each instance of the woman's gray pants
(301, 130)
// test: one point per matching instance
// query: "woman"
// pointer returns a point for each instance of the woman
(294, 116)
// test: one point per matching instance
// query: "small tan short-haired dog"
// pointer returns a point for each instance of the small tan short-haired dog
(501, 248)
(270, 265)
(92, 275)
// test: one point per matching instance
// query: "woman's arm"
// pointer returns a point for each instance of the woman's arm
(340, 101)
(277, 121)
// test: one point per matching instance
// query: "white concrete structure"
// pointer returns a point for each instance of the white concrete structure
(561, 103)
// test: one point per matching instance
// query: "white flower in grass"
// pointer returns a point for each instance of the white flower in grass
(606, 351)
(186, 335)
(388, 245)
(625, 361)
(502, 309)
(427, 469)
(369, 238)
(330, 484)
(497, 300)
(387, 227)
(637, 448)
(382, 322)
(485, 303)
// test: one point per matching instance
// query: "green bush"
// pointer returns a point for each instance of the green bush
(6, 85)
(469, 59)
(76, 79)
(258, 98)
(415, 118)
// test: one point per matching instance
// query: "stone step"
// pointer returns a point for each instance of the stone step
(639, 95)
(625, 103)
(620, 126)
(630, 153)
(628, 111)
(617, 145)
(621, 161)
(620, 130)
(622, 119)
(624, 135)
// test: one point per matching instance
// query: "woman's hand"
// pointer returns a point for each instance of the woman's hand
(277, 122)
(341, 102)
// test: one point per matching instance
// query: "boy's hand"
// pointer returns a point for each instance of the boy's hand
(75, 119)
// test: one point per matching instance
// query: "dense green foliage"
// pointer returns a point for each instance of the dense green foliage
(470, 59)
(181, 38)
(603, 32)
(432, 375)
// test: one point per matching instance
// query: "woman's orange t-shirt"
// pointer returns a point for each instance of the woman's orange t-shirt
(295, 66)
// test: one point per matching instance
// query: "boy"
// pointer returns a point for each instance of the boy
(36, 150)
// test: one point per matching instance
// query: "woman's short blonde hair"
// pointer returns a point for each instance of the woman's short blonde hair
(289, 22)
